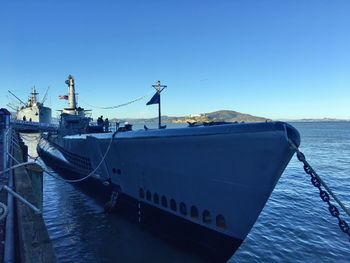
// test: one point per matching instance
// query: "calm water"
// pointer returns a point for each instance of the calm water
(295, 225)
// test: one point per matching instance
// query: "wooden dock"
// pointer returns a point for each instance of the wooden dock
(30, 236)
(33, 239)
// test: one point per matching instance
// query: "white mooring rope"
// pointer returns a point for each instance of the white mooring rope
(91, 173)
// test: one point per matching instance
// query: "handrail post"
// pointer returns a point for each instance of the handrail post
(9, 251)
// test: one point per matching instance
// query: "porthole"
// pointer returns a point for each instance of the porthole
(148, 195)
(220, 221)
(183, 208)
(194, 212)
(206, 217)
(141, 193)
(114, 170)
(173, 205)
(164, 201)
(155, 198)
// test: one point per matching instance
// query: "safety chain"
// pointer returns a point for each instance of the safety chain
(324, 194)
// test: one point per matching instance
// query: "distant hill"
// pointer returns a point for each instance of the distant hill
(232, 116)
(222, 115)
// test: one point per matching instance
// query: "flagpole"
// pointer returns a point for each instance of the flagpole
(159, 114)
(156, 99)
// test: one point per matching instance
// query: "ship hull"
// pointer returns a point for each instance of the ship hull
(207, 244)
(203, 187)
(35, 114)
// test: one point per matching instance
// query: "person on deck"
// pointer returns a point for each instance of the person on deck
(100, 121)
(106, 125)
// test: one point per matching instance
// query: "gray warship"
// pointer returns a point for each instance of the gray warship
(34, 110)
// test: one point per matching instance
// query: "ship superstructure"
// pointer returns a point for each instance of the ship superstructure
(73, 119)
(33, 110)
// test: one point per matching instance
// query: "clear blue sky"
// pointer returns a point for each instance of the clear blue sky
(277, 59)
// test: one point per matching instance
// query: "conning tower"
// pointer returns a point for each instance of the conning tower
(73, 119)
(71, 93)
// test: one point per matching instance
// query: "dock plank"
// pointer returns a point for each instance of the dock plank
(34, 243)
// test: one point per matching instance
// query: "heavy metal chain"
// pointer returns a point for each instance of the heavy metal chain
(324, 194)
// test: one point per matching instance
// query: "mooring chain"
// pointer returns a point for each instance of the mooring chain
(324, 194)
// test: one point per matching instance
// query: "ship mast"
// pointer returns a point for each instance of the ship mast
(159, 88)
(33, 98)
(71, 93)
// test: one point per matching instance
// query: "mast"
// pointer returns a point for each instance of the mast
(159, 88)
(33, 99)
(71, 93)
